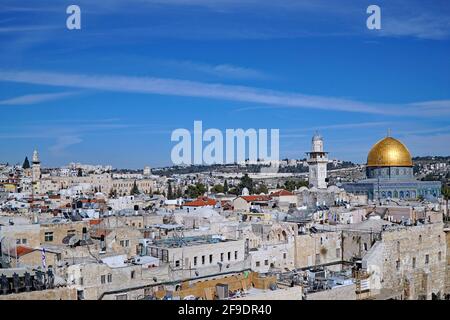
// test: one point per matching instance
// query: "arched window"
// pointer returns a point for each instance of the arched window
(395, 194)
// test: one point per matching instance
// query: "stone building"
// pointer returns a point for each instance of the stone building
(409, 260)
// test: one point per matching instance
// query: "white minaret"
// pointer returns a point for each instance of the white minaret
(317, 162)
(36, 172)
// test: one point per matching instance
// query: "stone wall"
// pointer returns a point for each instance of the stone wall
(413, 260)
(317, 248)
(51, 294)
(339, 293)
(292, 293)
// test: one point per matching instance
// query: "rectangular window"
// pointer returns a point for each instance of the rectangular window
(48, 237)
(317, 258)
(132, 274)
(122, 243)
(439, 256)
(203, 259)
(103, 279)
(177, 263)
(110, 278)
(427, 258)
(210, 258)
(229, 256)
(338, 252)
(258, 263)
(414, 262)
(266, 262)
(284, 256)
(195, 261)
(17, 241)
(127, 243)
(235, 255)
(221, 257)
(81, 281)
(24, 241)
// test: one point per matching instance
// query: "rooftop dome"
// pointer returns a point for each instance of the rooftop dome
(389, 152)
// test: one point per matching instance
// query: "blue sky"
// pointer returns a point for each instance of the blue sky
(113, 91)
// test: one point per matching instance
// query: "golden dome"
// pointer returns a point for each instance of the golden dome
(389, 152)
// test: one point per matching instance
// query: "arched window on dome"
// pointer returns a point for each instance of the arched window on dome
(402, 195)
(397, 172)
(389, 194)
(395, 194)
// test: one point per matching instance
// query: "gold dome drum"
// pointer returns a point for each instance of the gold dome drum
(389, 152)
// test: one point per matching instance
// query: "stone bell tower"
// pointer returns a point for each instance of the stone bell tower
(317, 161)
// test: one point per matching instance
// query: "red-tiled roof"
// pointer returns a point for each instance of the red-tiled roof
(256, 198)
(201, 202)
(23, 250)
(281, 193)
(94, 221)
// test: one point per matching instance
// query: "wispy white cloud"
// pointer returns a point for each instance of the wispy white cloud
(62, 143)
(423, 26)
(36, 98)
(27, 28)
(174, 87)
(218, 70)
(344, 126)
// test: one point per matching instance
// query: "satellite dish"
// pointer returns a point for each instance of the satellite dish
(73, 240)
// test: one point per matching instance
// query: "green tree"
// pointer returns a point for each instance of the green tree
(246, 182)
(169, 192)
(302, 183)
(218, 188)
(26, 164)
(262, 188)
(194, 191)
(134, 189)
(179, 194)
(290, 185)
(225, 186)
